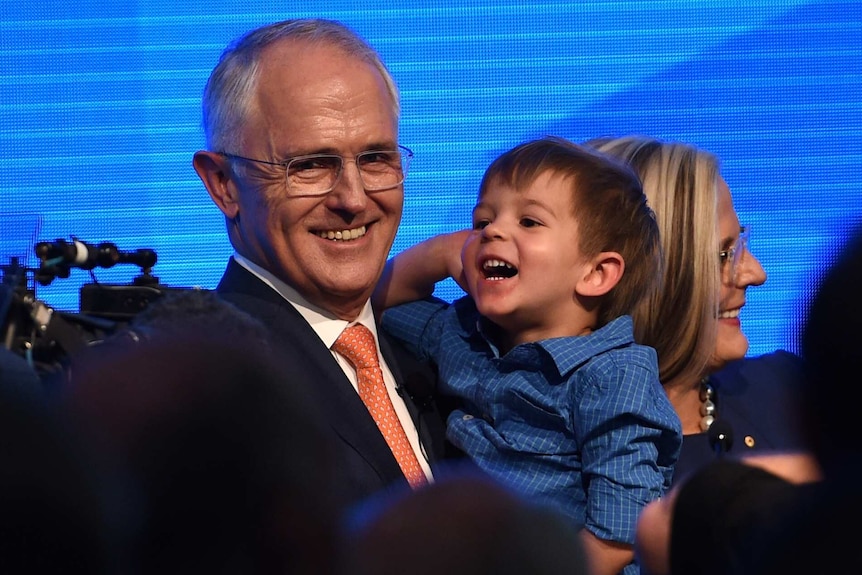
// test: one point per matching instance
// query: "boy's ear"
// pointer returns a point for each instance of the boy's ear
(604, 273)
(214, 172)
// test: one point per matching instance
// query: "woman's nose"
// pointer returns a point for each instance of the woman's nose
(749, 271)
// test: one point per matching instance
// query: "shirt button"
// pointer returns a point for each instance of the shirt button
(467, 417)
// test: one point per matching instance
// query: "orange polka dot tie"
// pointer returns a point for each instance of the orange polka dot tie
(356, 343)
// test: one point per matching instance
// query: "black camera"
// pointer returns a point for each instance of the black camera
(46, 337)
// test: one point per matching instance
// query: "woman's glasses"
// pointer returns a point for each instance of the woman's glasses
(731, 257)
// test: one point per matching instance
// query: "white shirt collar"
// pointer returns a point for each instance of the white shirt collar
(327, 326)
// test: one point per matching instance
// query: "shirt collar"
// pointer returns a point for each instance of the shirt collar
(326, 325)
(567, 353)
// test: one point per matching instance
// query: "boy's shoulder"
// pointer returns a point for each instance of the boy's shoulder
(610, 351)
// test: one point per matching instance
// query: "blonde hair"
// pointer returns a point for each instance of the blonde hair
(681, 184)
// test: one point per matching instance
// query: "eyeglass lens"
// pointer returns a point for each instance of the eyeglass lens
(318, 174)
(730, 264)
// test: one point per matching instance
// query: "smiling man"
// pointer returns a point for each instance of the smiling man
(303, 160)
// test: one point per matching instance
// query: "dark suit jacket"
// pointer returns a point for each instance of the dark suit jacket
(365, 463)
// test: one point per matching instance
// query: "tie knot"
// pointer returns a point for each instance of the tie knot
(356, 343)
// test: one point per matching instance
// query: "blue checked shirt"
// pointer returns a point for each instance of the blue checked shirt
(580, 423)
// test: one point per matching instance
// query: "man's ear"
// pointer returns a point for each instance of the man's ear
(603, 273)
(214, 172)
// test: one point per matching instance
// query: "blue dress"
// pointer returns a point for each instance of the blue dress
(581, 423)
(759, 399)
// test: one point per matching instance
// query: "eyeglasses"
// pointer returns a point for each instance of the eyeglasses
(731, 257)
(317, 174)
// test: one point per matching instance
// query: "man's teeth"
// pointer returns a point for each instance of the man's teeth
(343, 234)
(729, 314)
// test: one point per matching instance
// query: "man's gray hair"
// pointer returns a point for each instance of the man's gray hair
(230, 91)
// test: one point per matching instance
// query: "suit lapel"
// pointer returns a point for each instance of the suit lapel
(308, 362)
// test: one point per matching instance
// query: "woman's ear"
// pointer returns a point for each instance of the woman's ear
(214, 172)
(603, 273)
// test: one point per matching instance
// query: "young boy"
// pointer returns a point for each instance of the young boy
(554, 396)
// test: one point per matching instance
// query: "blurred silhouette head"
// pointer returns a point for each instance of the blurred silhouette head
(211, 463)
(464, 523)
(50, 515)
(831, 346)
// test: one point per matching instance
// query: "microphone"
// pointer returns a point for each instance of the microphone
(86, 256)
(720, 436)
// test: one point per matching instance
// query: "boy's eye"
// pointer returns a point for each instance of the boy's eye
(480, 225)
(529, 222)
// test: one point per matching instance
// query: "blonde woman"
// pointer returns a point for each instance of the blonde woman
(725, 401)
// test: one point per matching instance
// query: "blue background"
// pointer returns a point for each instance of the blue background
(100, 116)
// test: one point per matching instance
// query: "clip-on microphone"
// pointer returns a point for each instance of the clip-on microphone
(720, 436)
